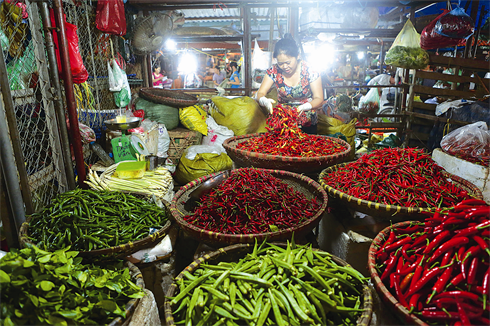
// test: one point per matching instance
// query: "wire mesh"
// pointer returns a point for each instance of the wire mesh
(23, 49)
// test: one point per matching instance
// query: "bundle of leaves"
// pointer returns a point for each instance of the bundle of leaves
(407, 57)
(41, 288)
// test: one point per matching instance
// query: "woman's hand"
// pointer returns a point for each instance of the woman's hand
(304, 107)
(266, 103)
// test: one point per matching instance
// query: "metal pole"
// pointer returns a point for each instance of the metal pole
(58, 102)
(247, 50)
(10, 171)
(69, 94)
(14, 135)
(272, 12)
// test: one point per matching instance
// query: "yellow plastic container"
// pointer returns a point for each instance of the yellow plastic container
(130, 170)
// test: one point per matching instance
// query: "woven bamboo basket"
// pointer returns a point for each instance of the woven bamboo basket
(388, 212)
(137, 277)
(288, 163)
(384, 293)
(303, 184)
(174, 98)
(237, 251)
(120, 251)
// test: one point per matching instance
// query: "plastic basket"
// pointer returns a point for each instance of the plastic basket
(388, 212)
(303, 184)
(244, 158)
(234, 252)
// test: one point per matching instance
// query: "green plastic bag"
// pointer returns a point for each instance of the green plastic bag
(405, 52)
(196, 163)
(242, 115)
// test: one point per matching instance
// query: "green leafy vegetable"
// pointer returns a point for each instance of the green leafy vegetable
(40, 288)
(407, 57)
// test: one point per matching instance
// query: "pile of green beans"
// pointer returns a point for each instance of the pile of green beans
(272, 285)
(89, 220)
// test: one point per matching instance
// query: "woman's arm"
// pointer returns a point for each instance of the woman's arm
(317, 91)
(267, 83)
(235, 81)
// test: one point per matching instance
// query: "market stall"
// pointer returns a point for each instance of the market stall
(360, 196)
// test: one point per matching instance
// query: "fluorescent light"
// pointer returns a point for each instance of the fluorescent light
(187, 63)
(322, 57)
(360, 55)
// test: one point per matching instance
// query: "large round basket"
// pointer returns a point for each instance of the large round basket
(388, 212)
(307, 186)
(383, 292)
(245, 158)
(173, 98)
(237, 251)
(123, 250)
(137, 278)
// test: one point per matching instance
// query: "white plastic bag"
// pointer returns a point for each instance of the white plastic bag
(193, 150)
(216, 134)
(116, 82)
(261, 60)
(163, 141)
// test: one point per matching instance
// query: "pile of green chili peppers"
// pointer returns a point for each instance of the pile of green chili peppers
(88, 220)
(295, 285)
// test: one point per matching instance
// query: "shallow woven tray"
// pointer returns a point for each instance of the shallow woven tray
(246, 158)
(388, 212)
(174, 98)
(137, 277)
(309, 187)
(384, 293)
(237, 251)
(119, 251)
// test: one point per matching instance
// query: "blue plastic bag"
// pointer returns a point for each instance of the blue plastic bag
(455, 24)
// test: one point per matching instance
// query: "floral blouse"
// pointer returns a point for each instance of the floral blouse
(300, 93)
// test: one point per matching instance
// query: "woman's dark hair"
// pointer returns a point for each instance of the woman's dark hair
(155, 67)
(286, 46)
(234, 64)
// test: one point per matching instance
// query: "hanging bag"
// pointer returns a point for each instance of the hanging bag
(370, 102)
(78, 71)
(110, 17)
(430, 39)
(455, 24)
(405, 52)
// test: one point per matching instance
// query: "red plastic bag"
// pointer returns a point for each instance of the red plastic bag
(455, 23)
(110, 17)
(430, 39)
(471, 143)
(78, 71)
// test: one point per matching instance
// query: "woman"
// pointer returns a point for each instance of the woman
(235, 75)
(295, 82)
(157, 77)
(218, 77)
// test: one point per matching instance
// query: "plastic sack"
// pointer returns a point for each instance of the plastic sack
(110, 17)
(163, 141)
(455, 24)
(331, 126)
(116, 76)
(405, 52)
(339, 107)
(78, 71)
(194, 118)
(216, 134)
(261, 60)
(202, 164)
(470, 143)
(194, 150)
(370, 102)
(160, 113)
(241, 114)
(430, 39)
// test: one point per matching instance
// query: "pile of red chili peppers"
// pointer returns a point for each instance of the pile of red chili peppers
(406, 177)
(439, 269)
(285, 138)
(252, 201)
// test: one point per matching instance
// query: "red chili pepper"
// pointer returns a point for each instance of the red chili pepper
(459, 294)
(472, 271)
(482, 243)
(398, 244)
(406, 281)
(439, 315)
(480, 212)
(447, 257)
(462, 314)
(414, 302)
(455, 242)
(486, 284)
(390, 265)
(441, 282)
(424, 280)
(398, 291)
(437, 240)
(390, 240)
(456, 280)
(473, 229)
(471, 202)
